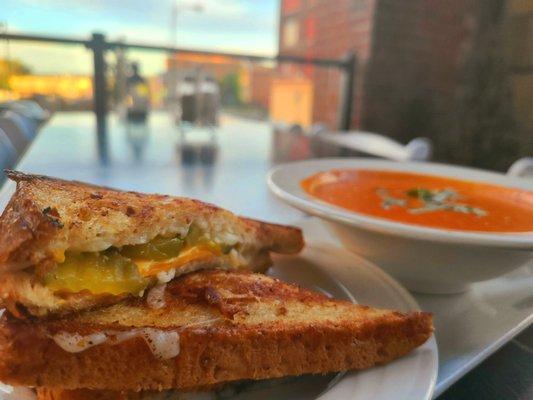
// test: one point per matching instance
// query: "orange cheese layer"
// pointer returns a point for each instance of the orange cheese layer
(200, 252)
(111, 273)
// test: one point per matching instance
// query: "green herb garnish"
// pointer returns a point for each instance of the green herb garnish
(432, 200)
(420, 193)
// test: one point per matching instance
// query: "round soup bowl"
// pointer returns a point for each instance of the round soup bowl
(426, 260)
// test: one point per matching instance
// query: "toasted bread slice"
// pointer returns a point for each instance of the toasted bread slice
(229, 326)
(48, 217)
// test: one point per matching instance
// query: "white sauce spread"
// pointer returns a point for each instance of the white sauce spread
(74, 342)
(166, 276)
(163, 344)
(156, 296)
(236, 258)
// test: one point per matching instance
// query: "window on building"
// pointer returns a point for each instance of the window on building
(291, 32)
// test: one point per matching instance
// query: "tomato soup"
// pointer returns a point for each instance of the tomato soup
(427, 200)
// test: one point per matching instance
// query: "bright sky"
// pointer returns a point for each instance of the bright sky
(243, 26)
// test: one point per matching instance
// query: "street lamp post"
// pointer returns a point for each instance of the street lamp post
(3, 29)
(177, 8)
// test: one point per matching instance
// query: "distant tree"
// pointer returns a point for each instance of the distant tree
(17, 67)
(230, 89)
(11, 67)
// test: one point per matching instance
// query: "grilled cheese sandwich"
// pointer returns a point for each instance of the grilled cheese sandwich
(66, 246)
(120, 295)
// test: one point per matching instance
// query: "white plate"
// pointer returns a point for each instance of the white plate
(335, 271)
(482, 319)
(343, 274)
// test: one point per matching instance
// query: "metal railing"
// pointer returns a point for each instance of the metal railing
(98, 44)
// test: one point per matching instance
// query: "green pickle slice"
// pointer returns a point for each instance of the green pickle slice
(113, 271)
(159, 248)
(105, 272)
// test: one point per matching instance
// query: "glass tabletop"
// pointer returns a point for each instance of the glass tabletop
(225, 166)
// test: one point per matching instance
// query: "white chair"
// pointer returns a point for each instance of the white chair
(8, 153)
(15, 133)
(27, 125)
(418, 149)
(30, 109)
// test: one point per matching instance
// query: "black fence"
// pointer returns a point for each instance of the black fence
(98, 44)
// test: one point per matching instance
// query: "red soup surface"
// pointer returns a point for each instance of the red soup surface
(425, 200)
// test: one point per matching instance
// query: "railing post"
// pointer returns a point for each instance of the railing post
(98, 46)
(348, 91)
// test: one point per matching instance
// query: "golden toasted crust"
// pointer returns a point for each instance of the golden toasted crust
(232, 326)
(47, 216)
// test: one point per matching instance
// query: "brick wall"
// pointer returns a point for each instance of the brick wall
(260, 82)
(414, 62)
(431, 68)
(407, 51)
(328, 29)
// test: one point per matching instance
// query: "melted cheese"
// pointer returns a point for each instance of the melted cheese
(58, 255)
(156, 296)
(202, 252)
(162, 344)
(111, 272)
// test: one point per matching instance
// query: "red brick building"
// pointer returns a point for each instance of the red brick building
(258, 81)
(408, 53)
(219, 66)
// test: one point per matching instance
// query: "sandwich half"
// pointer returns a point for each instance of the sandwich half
(67, 246)
(214, 327)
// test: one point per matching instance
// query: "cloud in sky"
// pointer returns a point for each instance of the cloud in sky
(247, 26)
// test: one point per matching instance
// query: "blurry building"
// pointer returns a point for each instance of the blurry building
(157, 90)
(403, 49)
(256, 80)
(219, 66)
(8, 68)
(253, 79)
(8, 95)
(421, 65)
(292, 101)
(69, 90)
